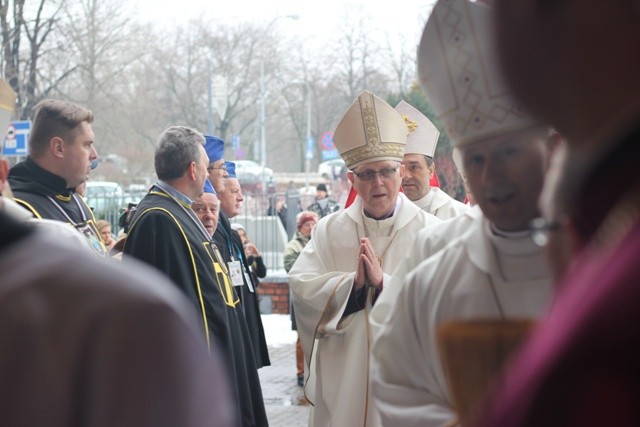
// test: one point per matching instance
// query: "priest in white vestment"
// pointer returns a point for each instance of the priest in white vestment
(491, 270)
(419, 166)
(344, 268)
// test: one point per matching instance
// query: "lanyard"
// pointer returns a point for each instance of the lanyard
(231, 244)
(66, 215)
(189, 212)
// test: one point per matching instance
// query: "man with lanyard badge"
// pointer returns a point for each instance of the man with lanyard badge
(167, 234)
(230, 206)
(61, 152)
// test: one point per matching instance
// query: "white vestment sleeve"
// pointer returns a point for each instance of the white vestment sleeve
(319, 294)
(406, 389)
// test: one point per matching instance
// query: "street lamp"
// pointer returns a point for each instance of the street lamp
(211, 123)
(263, 136)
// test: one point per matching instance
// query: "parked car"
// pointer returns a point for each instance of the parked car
(331, 168)
(252, 176)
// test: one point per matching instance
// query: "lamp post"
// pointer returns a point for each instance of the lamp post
(263, 130)
(211, 123)
(263, 136)
(307, 164)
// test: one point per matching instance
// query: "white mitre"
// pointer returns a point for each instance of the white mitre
(423, 135)
(371, 130)
(458, 69)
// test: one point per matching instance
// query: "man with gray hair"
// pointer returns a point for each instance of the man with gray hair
(166, 233)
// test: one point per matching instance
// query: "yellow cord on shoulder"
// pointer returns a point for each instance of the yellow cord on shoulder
(193, 264)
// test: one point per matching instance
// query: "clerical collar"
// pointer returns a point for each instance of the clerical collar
(175, 193)
(387, 216)
(518, 257)
(426, 200)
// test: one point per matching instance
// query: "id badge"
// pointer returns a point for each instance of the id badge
(90, 232)
(248, 280)
(235, 272)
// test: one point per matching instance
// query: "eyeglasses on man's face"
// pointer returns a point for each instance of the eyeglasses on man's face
(221, 167)
(368, 175)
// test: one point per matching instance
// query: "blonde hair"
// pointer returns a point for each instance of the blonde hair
(101, 224)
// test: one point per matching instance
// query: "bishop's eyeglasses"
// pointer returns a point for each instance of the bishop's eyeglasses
(368, 175)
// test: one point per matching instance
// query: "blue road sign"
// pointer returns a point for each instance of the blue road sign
(310, 146)
(235, 142)
(330, 154)
(16, 138)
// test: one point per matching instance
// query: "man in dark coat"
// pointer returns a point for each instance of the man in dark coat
(233, 253)
(167, 234)
(61, 151)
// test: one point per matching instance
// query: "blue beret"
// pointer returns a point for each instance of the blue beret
(231, 169)
(208, 188)
(214, 147)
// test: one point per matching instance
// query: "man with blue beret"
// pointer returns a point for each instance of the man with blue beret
(207, 208)
(214, 147)
(232, 251)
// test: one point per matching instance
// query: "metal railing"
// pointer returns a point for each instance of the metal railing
(269, 220)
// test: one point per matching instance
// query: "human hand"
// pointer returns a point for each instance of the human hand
(369, 264)
(251, 250)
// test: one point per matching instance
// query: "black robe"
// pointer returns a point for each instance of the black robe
(167, 234)
(45, 195)
(230, 245)
(31, 186)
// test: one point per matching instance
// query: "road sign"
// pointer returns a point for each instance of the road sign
(326, 141)
(310, 145)
(235, 142)
(330, 154)
(16, 139)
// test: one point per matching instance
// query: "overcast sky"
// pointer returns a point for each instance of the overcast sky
(317, 22)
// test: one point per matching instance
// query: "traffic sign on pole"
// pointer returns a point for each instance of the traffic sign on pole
(326, 140)
(16, 139)
(310, 145)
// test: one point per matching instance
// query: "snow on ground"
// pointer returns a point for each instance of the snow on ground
(277, 329)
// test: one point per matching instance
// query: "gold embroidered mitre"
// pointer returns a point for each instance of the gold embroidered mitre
(370, 131)
(458, 70)
(423, 135)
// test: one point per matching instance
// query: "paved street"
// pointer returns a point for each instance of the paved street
(283, 398)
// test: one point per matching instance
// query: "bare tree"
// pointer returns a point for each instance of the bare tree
(27, 30)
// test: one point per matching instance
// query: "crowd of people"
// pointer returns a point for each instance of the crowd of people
(412, 308)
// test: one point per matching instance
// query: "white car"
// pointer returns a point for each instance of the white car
(331, 168)
(249, 166)
(251, 175)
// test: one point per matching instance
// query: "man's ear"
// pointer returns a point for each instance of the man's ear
(432, 170)
(192, 170)
(56, 146)
(350, 177)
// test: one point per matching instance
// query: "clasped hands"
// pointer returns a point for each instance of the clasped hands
(368, 271)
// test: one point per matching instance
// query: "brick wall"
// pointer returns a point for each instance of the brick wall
(279, 295)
